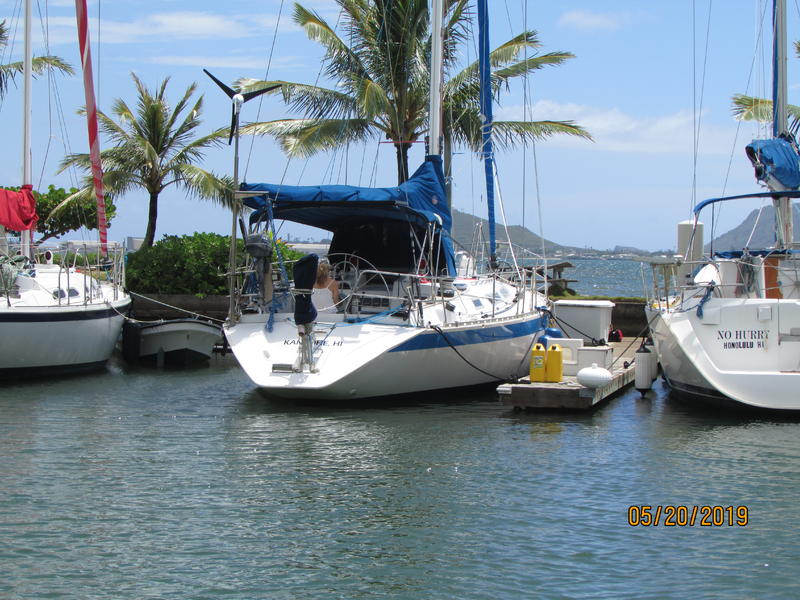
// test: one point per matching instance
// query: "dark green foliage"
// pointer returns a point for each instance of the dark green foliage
(190, 264)
(82, 213)
(78, 214)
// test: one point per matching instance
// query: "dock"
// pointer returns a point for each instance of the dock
(568, 394)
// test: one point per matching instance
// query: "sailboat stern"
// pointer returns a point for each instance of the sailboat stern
(278, 360)
(745, 352)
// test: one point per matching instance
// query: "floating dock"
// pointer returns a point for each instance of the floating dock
(568, 394)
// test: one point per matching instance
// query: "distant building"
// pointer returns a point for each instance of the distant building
(307, 248)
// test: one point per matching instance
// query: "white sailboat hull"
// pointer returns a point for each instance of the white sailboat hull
(369, 360)
(50, 339)
(741, 351)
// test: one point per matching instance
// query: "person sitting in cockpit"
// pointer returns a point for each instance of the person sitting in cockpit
(326, 289)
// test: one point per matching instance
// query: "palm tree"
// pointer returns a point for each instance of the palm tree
(154, 148)
(382, 78)
(40, 64)
(748, 108)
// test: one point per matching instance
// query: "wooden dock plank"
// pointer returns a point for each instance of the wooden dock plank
(569, 394)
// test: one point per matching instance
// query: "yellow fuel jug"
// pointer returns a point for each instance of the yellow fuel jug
(554, 364)
(538, 356)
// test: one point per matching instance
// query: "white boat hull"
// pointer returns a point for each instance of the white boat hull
(179, 340)
(51, 339)
(369, 360)
(741, 351)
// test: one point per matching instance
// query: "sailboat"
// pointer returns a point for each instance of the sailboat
(410, 318)
(57, 315)
(729, 331)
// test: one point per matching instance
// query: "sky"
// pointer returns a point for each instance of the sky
(650, 81)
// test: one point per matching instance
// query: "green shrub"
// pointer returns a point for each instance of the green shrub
(190, 264)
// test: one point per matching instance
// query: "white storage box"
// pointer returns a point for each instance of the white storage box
(602, 356)
(569, 353)
(587, 319)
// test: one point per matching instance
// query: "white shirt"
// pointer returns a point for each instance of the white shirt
(323, 299)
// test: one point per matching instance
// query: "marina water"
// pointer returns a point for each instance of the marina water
(139, 483)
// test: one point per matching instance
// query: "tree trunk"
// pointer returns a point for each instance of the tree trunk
(152, 215)
(402, 162)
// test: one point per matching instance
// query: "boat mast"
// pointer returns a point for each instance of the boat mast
(484, 69)
(237, 100)
(783, 206)
(435, 115)
(27, 65)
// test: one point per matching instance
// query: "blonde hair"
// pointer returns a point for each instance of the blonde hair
(323, 273)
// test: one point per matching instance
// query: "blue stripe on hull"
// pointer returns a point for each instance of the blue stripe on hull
(482, 335)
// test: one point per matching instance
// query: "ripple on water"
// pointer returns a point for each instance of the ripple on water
(142, 484)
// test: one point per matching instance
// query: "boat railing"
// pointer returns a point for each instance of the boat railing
(93, 269)
(744, 277)
(512, 259)
(377, 291)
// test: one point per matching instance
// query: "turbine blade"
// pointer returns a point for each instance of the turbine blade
(250, 95)
(234, 123)
(231, 93)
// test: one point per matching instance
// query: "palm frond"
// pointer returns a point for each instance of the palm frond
(309, 100)
(529, 65)
(305, 137)
(508, 133)
(40, 64)
(339, 55)
(748, 108)
(115, 183)
(204, 184)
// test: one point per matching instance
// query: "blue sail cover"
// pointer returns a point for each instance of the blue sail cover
(419, 201)
(775, 160)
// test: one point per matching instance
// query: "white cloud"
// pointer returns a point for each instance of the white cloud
(252, 62)
(168, 27)
(616, 131)
(589, 21)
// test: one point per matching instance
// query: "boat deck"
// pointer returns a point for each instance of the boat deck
(568, 394)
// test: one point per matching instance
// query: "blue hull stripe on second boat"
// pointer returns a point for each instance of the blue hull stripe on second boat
(433, 339)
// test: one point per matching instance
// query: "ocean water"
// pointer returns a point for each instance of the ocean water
(139, 483)
(609, 277)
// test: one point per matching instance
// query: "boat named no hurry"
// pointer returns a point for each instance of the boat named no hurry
(729, 332)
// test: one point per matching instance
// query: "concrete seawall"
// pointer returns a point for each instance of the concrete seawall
(629, 317)
(144, 309)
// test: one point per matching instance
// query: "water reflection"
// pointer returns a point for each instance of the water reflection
(193, 484)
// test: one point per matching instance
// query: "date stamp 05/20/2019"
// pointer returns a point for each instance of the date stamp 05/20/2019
(703, 515)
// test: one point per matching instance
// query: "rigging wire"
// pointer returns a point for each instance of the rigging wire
(716, 210)
(697, 110)
(526, 103)
(45, 24)
(316, 84)
(12, 38)
(261, 98)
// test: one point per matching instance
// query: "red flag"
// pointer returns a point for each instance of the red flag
(18, 209)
